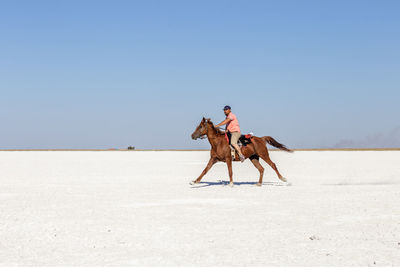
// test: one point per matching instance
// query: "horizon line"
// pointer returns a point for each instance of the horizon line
(172, 149)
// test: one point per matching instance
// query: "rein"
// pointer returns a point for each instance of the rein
(204, 136)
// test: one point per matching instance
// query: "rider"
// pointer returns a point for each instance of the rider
(232, 126)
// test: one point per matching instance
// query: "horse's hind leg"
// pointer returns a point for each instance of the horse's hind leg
(266, 158)
(260, 168)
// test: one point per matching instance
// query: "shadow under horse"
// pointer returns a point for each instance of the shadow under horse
(221, 150)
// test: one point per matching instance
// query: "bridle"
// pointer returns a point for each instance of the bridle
(204, 136)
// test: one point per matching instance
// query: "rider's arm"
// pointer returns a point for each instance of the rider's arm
(223, 123)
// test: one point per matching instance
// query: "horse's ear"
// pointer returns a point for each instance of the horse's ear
(204, 119)
(208, 119)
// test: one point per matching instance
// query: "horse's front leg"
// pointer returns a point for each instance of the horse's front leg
(211, 162)
(229, 163)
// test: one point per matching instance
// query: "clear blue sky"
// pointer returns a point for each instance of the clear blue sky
(101, 74)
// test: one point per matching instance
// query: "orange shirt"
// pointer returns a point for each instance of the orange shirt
(233, 125)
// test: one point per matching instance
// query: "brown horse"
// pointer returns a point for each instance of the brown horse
(221, 151)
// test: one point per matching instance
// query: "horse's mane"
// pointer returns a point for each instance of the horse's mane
(216, 130)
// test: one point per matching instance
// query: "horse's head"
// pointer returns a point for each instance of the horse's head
(201, 129)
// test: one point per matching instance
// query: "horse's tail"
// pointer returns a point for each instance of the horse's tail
(275, 143)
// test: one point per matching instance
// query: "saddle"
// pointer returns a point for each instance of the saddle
(244, 140)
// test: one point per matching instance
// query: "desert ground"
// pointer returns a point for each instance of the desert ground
(136, 208)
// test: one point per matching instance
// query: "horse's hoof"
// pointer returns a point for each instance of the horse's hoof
(231, 184)
(283, 179)
(193, 183)
(258, 184)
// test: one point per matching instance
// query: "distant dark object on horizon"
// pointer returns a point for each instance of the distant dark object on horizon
(131, 148)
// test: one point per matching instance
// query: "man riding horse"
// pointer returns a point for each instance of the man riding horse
(254, 147)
